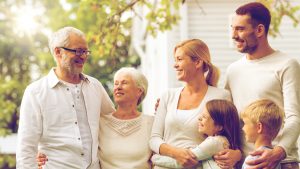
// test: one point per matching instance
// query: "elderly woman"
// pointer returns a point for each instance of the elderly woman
(124, 134)
(175, 126)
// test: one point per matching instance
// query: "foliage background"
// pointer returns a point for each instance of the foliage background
(24, 56)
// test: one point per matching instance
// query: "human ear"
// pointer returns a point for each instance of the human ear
(260, 30)
(199, 63)
(57, 52)
(140, 92)
(259, 127)
(219, 128)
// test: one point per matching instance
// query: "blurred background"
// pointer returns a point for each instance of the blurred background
(138, 33)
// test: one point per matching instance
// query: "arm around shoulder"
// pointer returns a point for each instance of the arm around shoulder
(157, 132)
(107, 105)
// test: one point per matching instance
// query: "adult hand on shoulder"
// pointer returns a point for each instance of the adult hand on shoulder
(227, 158)
(41, 160)
(268, 159)
(185, 157)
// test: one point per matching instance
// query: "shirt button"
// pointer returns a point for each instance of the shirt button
(78, 138)
(82, 154)
(68, 89)
(73, 105)
(75, 122)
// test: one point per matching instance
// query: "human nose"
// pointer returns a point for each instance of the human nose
(243, 128)
(175, 64)
(83, 55)
(234, 34)
(118, 86)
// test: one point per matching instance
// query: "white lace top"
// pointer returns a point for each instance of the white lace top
(125, 143)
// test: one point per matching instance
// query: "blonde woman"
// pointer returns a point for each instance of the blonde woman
(174, 129)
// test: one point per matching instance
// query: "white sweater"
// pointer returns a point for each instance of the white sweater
(169, 129)
(275, 77)
(124, 143)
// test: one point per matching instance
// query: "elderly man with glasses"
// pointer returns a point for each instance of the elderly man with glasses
(60, 113)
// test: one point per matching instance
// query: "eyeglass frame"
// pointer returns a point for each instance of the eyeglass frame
(78, 51)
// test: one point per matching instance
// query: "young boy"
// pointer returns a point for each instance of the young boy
(262, 122)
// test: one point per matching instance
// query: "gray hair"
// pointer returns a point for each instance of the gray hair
(60, 38)
(139, 79)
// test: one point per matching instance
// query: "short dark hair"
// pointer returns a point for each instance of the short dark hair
(259, 14)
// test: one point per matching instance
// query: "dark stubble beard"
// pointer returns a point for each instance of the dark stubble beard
(251, 44)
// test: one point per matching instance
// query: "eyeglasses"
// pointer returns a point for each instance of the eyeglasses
(78, 51)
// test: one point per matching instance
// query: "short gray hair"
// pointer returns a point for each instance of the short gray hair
(139, 79)
(60, 38)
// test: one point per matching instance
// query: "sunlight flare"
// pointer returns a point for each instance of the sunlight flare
(27, 19)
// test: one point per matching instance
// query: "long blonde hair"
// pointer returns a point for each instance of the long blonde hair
(198, 50)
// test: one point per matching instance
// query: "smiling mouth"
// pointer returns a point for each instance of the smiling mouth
(239, 43)
(119, 94)
(79, 61)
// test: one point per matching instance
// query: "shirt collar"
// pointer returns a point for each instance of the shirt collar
(53, 80)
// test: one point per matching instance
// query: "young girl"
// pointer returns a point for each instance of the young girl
(220, 123)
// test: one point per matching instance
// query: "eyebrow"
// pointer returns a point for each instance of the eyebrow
(237, 27)
(178, 56)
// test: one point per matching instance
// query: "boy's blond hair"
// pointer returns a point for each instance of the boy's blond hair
(266, 112)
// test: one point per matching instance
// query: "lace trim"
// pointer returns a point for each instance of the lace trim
(124, 127)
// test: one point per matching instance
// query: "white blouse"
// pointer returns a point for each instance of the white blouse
(124, 143)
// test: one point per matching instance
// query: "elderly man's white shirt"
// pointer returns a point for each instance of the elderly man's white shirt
(48, 123)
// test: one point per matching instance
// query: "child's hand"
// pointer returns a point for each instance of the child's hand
(227, 158)
(185, 157)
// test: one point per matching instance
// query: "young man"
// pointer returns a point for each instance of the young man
(262, 122)
(60, 113)
(265, 73)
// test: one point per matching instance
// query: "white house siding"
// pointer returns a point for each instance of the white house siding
(213, 27)
(208, 20)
